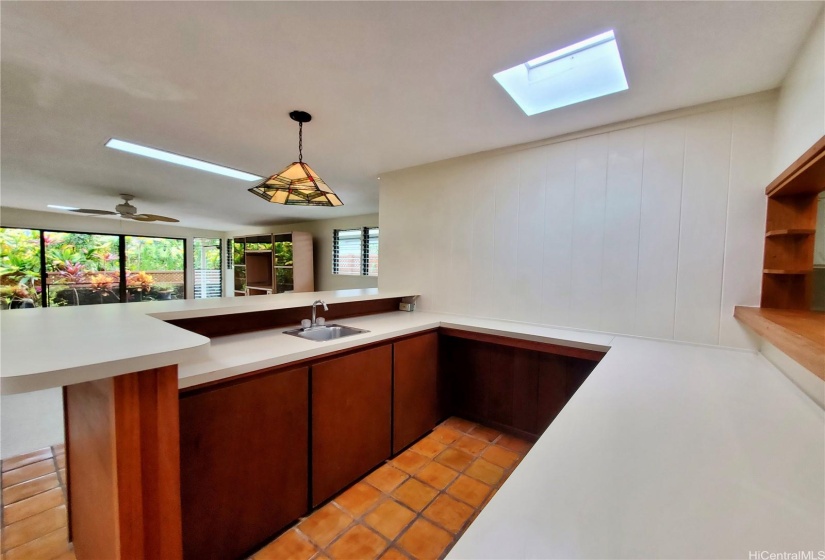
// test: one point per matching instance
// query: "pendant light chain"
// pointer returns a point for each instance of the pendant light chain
(300, 142)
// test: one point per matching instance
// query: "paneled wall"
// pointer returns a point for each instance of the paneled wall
(653, 230)
(800, 115)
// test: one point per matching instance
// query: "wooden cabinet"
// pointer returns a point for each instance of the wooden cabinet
(351, 418)
(507, 384)
(244, 462)
(416, 405)
(273, 263)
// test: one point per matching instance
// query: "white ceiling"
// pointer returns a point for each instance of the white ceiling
(389, 84)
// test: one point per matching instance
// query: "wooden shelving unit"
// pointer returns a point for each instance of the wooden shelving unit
(273, 264)
(787, 279)
(784, 317)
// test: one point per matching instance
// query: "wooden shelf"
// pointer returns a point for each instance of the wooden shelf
(799, 334)
(787, 271)
(804, 176)
(790, 232)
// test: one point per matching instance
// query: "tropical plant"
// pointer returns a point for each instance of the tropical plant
(101, 282)
(140, 280)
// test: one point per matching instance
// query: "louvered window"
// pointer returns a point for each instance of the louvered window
(346, 252)
(355, 251)
(370, 251)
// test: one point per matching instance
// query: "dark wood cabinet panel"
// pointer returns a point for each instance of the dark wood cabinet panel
(351, 416)
(244, 462)
(416, 395)
(512, 387)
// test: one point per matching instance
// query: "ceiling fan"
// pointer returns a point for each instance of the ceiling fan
(125, 210)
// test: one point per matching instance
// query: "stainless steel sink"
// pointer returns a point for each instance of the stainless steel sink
(325, 332)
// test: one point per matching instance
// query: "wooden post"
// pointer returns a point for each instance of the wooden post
(123, 452)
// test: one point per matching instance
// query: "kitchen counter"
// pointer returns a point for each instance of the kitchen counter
(667, 450)
(91, 342)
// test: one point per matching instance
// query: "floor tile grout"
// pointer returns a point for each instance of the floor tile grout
(419, 512)
(418, 462)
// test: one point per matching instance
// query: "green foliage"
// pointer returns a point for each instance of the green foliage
(154, 253)
(283, 253)
(211, 254)
(80, 254)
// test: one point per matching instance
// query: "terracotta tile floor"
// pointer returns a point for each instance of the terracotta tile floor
(34, 506)
(414, 506)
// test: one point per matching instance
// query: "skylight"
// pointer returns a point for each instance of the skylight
(180, 160)
(586, 70)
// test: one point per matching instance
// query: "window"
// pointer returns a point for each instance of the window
(586, 70)
(207, 268)
(154, 268)
(82, 268)
(63, 268)
(355, 251)
(370, 264)
(20, 267)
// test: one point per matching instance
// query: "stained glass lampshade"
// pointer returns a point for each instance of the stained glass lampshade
(299, 185)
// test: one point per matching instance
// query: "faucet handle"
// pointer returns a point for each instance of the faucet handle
(320, 321)
(306, 323)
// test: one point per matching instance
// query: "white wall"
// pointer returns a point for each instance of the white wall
(800, 116)
(31, 421)
(653, 228)
(321, 231)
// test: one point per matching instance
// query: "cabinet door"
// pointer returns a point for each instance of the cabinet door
(351, 400)
(415, 389)
(244, 455)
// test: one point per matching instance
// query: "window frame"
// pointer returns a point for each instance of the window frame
(121, 256)
(363, 248)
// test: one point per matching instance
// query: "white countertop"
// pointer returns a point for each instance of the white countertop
(668, 450)
(44, 348)
(232, 355)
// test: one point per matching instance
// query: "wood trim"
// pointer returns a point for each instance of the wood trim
(800, 334)
(123, 455)
(238, 323)
(805, 175)
(548, 348)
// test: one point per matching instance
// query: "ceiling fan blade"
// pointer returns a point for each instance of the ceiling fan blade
(153, 218)
(93, 211)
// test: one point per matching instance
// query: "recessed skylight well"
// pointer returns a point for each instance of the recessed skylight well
(180, 160)
(586, 70)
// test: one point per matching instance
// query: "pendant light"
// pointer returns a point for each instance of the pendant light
(298, 184)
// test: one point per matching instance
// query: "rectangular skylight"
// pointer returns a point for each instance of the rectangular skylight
(585, 70)
(180, 160)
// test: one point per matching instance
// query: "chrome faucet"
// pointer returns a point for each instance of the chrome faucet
(314, 305)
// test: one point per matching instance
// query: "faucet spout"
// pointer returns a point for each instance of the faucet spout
(314, 305)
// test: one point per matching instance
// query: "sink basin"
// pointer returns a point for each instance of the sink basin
(325, 332)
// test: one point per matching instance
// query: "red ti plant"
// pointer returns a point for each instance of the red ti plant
(71, 273)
